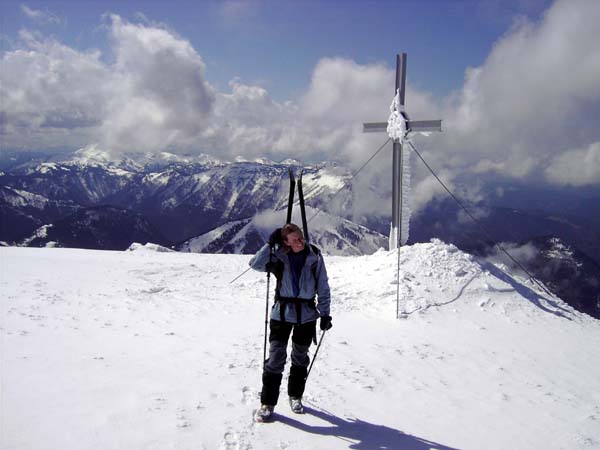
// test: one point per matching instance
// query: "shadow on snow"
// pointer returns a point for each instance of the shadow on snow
(535, 298)
(362, 435)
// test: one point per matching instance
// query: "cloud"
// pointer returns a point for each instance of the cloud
(40, 17)
(535, 97)
(343, 95)
(267, 220)
(525, 254)
(160, 98)
(152, 97)
(60, 100)
(245, 122)
(324, 123)
(578, 167)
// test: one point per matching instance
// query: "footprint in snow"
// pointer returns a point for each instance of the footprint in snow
(247, 395)
(159, 404)
(182, 421)
(230, 441)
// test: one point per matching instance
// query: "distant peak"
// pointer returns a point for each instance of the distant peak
(92, 153)
(291, 162)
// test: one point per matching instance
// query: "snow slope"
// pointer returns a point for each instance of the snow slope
(152, 350)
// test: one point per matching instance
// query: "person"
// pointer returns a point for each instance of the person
(301, 276)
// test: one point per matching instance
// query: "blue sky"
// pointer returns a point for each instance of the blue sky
(515, 82)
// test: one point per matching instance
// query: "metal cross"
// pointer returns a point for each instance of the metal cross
(411, 126)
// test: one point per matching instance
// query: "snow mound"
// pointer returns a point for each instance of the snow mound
(149, 247)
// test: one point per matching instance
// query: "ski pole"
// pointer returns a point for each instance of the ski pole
(316, 352)
(267, 308)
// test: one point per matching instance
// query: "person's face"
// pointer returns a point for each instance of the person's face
(295, 242)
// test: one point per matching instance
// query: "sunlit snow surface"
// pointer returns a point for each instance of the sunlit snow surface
(153, 350)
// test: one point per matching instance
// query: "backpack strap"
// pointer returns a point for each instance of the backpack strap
(317, 252)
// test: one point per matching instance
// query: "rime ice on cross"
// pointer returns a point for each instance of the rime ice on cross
(398, 127)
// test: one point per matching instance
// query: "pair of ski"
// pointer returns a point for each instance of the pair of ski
(293, 184)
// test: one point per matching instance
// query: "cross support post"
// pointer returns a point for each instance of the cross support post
(411, 126)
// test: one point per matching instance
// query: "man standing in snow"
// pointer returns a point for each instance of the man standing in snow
(301, 276)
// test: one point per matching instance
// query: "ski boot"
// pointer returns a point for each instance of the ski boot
(296, 405)
(264, 413)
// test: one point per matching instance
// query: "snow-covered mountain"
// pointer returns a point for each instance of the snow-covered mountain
(105, 227)
(183, 197)
(23, 212)
(157, 350)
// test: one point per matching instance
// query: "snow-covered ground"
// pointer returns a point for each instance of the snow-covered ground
(152, 350)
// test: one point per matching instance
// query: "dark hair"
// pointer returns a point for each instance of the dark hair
(289, 229)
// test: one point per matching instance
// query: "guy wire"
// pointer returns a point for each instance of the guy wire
(478, 223)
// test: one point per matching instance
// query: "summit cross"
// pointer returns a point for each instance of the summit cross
(397, 237)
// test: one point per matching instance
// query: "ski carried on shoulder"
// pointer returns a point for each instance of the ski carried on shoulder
(293, 184)
(291, 197)
(302, 209)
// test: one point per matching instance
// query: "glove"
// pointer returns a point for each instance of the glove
(325, 323)
(275, 238)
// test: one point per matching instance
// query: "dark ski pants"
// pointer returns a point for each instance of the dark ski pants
(302, 336)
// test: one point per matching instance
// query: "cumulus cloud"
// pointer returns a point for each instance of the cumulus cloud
(342, 95)
(160, 99)
(61, 98)
(152, 97)
(536, 96)
(324, 123)
(245, 122)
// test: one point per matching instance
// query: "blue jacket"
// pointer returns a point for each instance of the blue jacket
(313, 282)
